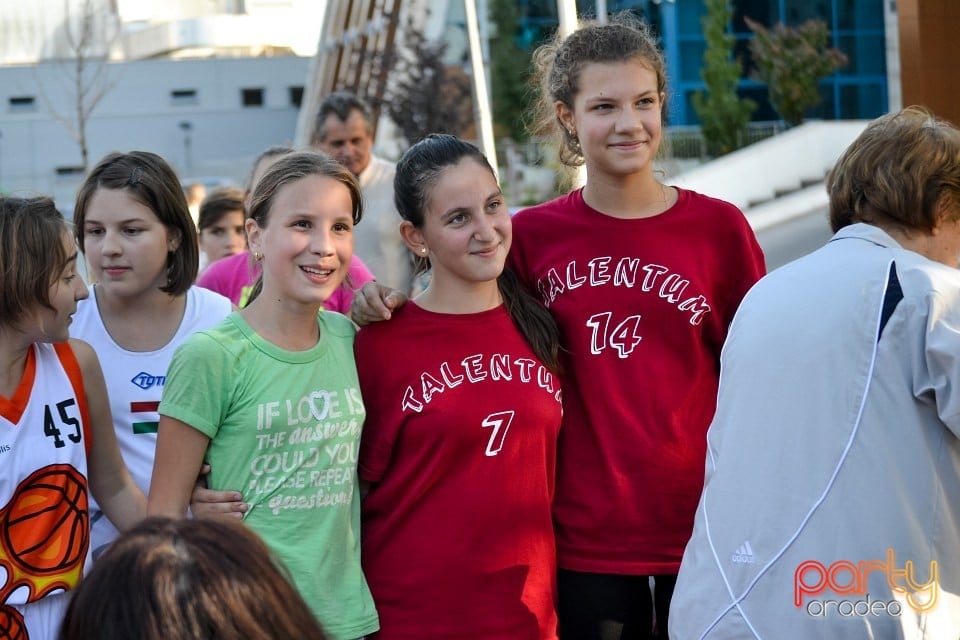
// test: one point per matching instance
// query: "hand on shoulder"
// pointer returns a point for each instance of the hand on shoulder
(375, 302)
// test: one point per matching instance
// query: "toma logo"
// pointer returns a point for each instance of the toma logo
(145, 380)
(846, 578)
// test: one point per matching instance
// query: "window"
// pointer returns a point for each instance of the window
(866, 54)
(862, 100)
(766, 12)
(860, 14)
(691, 59)
(179, 97)
(251, 97)
(296, 96)
(689, 19)
(22, 104)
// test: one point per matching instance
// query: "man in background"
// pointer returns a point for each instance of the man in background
(195, 192)
(344, 130)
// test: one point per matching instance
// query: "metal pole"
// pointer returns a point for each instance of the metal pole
(601, 8)
(567, 13)
(481, 97)
(186, 126)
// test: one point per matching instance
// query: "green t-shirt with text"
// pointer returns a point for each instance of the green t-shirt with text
(284, 429)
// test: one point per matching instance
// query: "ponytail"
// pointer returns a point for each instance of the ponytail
(532, 320)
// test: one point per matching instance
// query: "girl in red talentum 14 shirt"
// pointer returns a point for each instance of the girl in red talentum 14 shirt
(643, 280)
(459, 445)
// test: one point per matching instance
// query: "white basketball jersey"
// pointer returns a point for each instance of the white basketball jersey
(135, 382)
(44, 514)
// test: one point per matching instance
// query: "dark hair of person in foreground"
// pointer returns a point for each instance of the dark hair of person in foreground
(188, 580)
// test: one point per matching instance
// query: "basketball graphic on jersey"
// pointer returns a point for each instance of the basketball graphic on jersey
(45, 532)
(12, 626)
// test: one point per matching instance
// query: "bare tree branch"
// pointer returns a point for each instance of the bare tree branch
(89, 35)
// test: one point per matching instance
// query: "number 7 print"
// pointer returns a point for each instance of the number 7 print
(500, 422)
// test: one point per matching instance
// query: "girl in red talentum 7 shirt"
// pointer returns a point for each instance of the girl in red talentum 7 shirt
(459, 444)
(643, 280)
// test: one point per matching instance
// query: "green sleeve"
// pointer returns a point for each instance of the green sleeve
(199, 383)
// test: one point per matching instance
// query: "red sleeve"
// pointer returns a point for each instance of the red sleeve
(747, 266)
(382, 422)
(517, 256)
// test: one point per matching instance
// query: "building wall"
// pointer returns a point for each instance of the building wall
(207, 133)
(930, 55)
(857, 27)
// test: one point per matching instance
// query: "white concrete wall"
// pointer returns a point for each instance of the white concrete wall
(32, 30)
(139, 113)
(782, 164)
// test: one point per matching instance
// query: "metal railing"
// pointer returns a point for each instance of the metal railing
(530, 171)
(688, 143)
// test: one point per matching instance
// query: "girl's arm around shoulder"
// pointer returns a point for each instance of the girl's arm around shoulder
(342, 299)
(110, 481)
(375, 302)
(179, 456)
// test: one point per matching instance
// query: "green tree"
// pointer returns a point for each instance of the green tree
(510, 68)
(723, 114)
(426, 95)
(791, 61)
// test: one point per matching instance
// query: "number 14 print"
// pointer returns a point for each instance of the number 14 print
(624, 337)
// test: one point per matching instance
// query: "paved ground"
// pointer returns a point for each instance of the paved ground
(793, 238)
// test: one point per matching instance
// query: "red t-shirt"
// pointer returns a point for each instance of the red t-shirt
(459, 443)
(643, 307)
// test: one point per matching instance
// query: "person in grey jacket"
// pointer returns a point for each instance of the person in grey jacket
(831, 507)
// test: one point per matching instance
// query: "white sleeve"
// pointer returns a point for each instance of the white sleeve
(942, 356)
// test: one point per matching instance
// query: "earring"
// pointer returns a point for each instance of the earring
(423, 249)
(257, 256)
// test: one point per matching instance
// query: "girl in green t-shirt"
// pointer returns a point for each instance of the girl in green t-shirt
(270, 397)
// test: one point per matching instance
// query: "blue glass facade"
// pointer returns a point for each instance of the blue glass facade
(859, 90)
